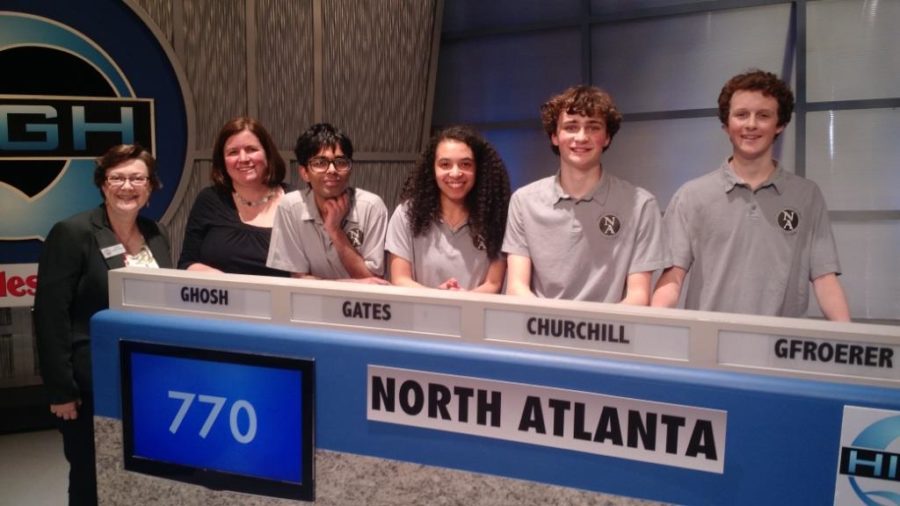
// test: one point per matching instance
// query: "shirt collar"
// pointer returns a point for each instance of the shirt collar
(599, 193)
(462, 226)
(311, 211)
(730, 180)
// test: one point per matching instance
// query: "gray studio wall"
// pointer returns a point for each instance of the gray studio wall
(664, 61)
(366, 66)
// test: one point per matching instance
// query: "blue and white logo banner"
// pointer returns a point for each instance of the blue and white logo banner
(78, 78)
(869, 458)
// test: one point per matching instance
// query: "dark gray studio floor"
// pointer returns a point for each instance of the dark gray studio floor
(33, 470)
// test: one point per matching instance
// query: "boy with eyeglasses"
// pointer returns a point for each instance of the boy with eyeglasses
(328, 230)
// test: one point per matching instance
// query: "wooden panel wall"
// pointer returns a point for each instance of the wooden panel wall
(366, 66)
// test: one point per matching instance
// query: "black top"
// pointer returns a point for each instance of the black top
(216, 236)
(72, 286)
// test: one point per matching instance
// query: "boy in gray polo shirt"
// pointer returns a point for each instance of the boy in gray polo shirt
(328, 230)
(752, 235)
(583, 234)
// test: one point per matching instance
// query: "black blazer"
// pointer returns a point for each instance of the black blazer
(72, 286)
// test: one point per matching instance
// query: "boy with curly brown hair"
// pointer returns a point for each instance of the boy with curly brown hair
(583, 233)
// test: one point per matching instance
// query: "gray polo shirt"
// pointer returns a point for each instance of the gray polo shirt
(300, 244)
(750, 251)
(585, 249)
(438, 254)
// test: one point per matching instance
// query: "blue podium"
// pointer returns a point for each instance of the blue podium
(487, 399)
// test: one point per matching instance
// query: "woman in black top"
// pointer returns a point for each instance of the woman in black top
(230, 224)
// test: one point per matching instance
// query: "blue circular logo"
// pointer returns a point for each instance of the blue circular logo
(80, 77)
(877, 437)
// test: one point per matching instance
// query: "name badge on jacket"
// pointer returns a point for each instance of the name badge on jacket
(112, 251)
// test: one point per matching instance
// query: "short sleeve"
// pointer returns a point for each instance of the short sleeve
(514, 240)
(650, 248)
(677, 231)
(285, 249)
(399, 239)
(372, 249)
(823, 251)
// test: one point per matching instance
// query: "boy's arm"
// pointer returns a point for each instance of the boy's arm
(518, 275)
(831, 297)
(668, 287)
(637, 289)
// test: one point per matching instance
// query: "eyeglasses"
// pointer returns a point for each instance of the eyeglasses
(136, 181)
(320, 164)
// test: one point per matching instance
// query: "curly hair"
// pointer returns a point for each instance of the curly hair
(486, 203)
(583, 100)
(276, 167)
(758, 80)
(117, 155)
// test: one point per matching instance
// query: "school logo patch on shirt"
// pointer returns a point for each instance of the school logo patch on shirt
(480, 243)
(789, 220)
(609, 225)
(355, 236)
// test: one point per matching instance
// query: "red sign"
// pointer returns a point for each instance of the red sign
(18, 282)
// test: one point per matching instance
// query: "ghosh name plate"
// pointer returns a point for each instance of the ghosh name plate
(197, 298)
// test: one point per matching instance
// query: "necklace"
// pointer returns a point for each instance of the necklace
(252, 203)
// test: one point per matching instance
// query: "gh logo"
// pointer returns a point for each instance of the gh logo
(610, 225)
(788, 220)
(69, 92)
(52, 127)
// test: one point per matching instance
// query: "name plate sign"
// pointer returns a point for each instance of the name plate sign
(679, 435)
(660, 341)
(197, 297)
(395, 315)
(792, 353)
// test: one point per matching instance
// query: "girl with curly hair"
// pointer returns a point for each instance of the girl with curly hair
(448, 230)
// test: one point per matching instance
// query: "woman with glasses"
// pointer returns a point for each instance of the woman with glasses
(72, 286)
(230, 224)
(448, 230)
